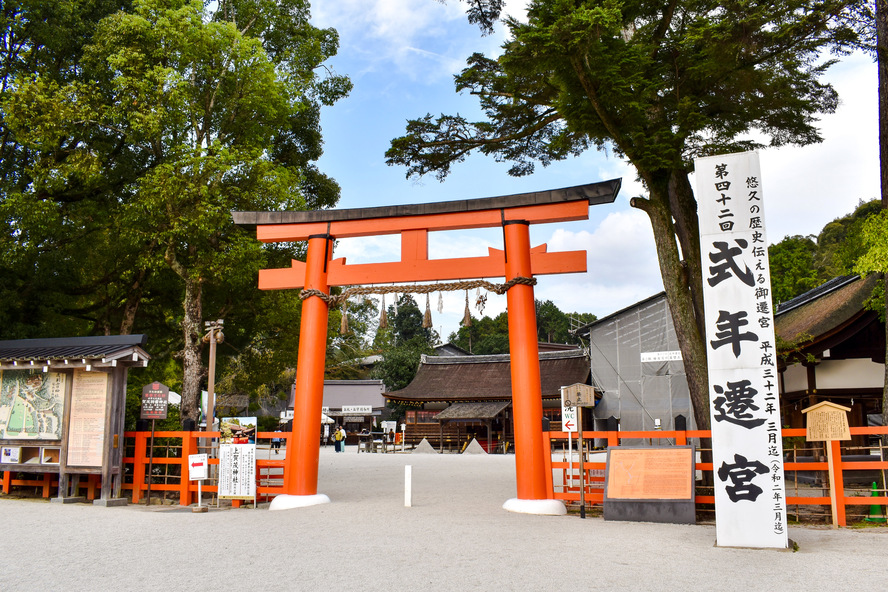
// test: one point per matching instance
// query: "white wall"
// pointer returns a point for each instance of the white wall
(859, 373)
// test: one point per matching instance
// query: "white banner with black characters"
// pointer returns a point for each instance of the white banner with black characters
(747, 451)
(237, 471)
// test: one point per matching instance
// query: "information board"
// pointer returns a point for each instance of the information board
(650, 473)
(237, 471)
(650, 485)
(86, 432)
(32, 404)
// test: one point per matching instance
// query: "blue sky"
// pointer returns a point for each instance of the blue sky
(401, 56)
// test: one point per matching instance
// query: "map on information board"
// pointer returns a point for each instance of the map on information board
(32, 405)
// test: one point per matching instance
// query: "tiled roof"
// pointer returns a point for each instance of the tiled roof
(476, 410)
(815, 293)
(71, 348)
(488, 378)
(825, 309)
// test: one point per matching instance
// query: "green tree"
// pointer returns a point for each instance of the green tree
(190, 112)
(792, 267)
(657, 84)
(484, 336)
(491, 336)
(402, 344)
(875, 260)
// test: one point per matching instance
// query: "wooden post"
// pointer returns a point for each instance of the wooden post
(613, 438)
(303, 442)
(582, 447)
(188, 448)
(547, 458)
(139, 466)
(836, 482)
(150, 466)
(527, 401)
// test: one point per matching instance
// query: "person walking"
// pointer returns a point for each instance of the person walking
(276, 442)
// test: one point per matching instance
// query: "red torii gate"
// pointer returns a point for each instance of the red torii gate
(413, 222)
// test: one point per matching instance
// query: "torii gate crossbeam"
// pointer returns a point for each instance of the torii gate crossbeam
(514, 213)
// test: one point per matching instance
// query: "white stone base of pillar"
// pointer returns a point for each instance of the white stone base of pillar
(288, 502)
(546, 507)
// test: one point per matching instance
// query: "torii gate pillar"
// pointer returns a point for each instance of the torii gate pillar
(527, 402)
(303, 442)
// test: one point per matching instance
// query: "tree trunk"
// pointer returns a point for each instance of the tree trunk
(192, 366)
(134, 298)
(679, 295)
(882, 57)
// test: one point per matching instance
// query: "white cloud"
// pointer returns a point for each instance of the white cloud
(807, 187)
(621, 266)
(414, 38)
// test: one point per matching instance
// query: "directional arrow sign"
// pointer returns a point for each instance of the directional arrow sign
(568, 413)
(197, 467)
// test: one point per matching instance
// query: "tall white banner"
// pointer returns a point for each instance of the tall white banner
(750, 499)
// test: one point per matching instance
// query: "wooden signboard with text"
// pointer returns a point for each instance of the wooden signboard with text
(650, 484)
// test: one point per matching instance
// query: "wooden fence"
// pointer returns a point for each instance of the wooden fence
(803, 500)
(171, 450)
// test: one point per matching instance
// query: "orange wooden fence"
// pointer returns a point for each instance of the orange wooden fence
(170, 468)
(594, 493)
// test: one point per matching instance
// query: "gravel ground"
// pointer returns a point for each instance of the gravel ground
(455, 537)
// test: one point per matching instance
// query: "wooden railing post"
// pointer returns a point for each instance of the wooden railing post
(139, 456)
(547, 460)
(189, 445)
(7, 481)
(613, 436)
(47, 484)
(838, 480)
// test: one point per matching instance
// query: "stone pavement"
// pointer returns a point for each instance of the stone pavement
(455, 537)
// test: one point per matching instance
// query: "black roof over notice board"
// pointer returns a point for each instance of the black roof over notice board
(73, 352)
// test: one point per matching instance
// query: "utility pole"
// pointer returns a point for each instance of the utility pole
(214, 335)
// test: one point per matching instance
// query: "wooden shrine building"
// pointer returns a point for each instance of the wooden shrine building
(453, 398)
(832, 349)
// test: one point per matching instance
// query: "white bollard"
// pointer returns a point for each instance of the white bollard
(408, 486)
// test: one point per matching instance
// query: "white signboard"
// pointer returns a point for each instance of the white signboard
(197, 467)
(357, 409)
(750, 499)
(237, 471)
(661, 356)
(568, 413)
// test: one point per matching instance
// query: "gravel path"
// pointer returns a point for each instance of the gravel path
(455, 537)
